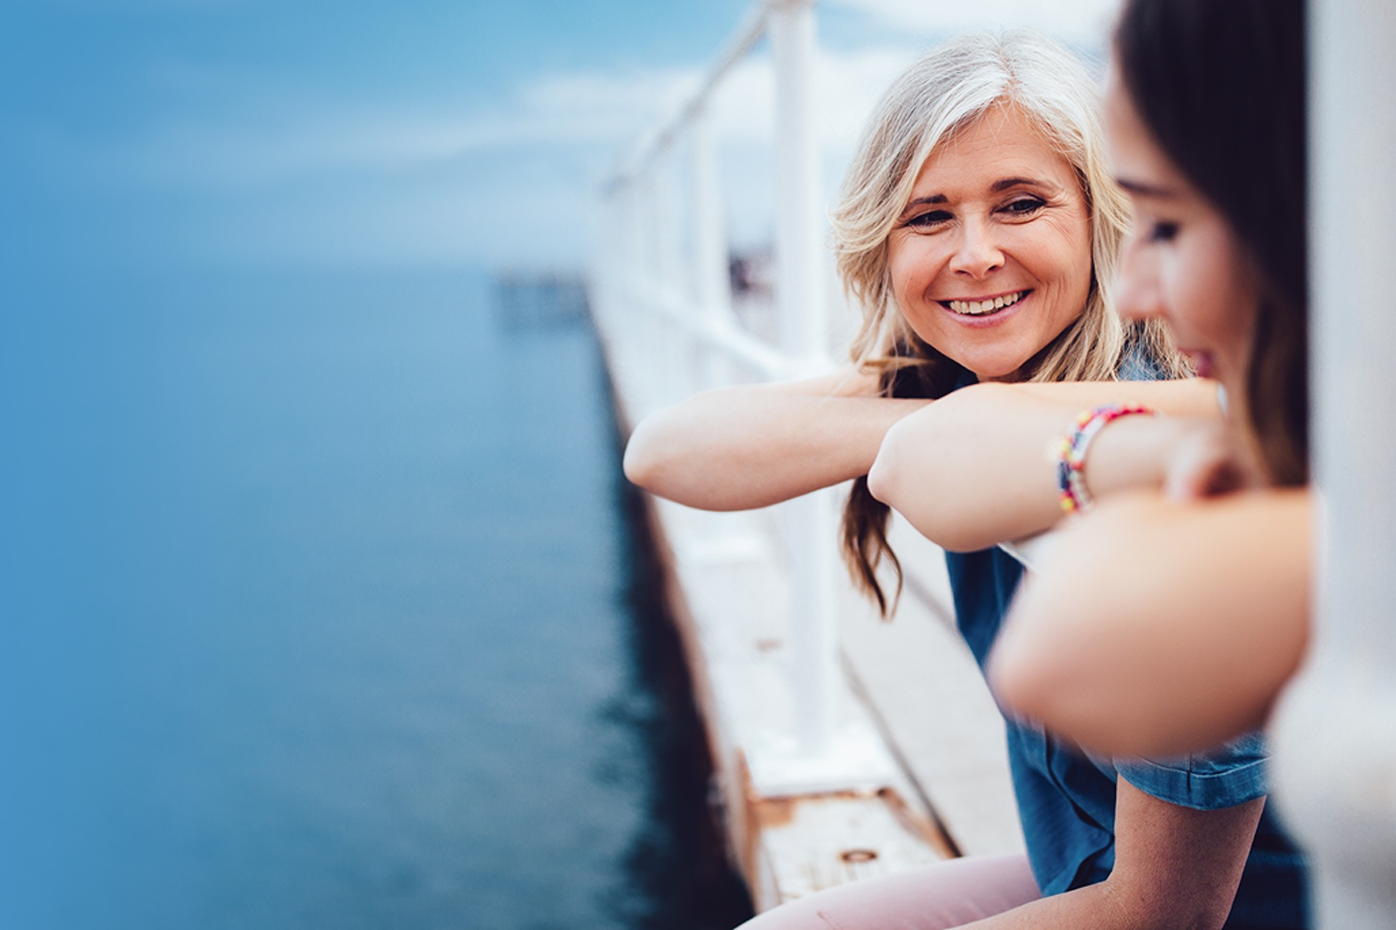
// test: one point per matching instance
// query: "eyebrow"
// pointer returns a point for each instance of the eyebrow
(1146, 190)
(997, 187)
(1009, 183)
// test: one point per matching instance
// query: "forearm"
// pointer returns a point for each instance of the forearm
(977, 468)
(744, 447)
(1155, 628)
(1093, 907)
(1174, 867)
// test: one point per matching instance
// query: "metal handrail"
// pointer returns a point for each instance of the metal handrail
(742, 41)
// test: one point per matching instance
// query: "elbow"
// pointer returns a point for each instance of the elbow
(897, 475)
(643, 461)
(660, 459)
(1027, 683)
(892, 476)
(1049, 668)
(902, 484)
(882, 477)
(1051, 694)
(914, 473)
(1031, 689)
(1042, 668)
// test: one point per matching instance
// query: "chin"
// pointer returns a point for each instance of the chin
(1005, 371)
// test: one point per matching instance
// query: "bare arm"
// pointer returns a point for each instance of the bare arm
(743, 447)
(1174, 867)
(1157, 628)
(976, 468)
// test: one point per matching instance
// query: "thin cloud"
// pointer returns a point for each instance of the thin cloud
(518, 179)
(1079, 20)
(282, 137)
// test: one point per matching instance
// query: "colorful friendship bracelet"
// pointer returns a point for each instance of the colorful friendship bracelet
(1071, 453)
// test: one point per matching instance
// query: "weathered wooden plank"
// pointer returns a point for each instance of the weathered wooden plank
(932, 702)
(727, 598)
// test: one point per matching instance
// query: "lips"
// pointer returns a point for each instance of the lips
(984, 305)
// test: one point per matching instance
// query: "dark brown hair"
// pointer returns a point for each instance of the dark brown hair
(915, 370)
(1220, 84)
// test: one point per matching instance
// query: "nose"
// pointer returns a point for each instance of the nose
(1137, 294)
(977, 251)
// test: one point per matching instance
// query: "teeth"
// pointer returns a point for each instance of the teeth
(978, 307)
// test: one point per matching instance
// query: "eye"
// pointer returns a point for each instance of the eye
(929, 219)
(1024, 206)
(1163, 232)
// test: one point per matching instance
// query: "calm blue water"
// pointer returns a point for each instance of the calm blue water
(323, 610)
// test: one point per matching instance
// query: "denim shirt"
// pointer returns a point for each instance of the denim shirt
(1066, 799)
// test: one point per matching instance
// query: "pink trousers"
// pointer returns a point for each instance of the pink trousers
(947, 894)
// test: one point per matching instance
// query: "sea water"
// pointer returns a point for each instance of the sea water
(325, 608)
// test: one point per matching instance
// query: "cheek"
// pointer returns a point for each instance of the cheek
(1081, 259)
(911, 268)
(905, 258)
(1063, 257)
(1208, 290)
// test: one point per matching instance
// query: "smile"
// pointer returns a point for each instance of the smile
(981, 307)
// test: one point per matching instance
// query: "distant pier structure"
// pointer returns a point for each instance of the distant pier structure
(847, 747)
(524, 301)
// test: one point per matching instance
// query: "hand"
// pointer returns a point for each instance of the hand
(1211, 459)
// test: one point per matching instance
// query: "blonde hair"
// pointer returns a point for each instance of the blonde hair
(940, 95)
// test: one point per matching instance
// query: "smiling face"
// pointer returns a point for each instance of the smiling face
(991, 258)
(1181, 262)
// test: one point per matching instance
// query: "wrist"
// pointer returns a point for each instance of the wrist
(1077, 443)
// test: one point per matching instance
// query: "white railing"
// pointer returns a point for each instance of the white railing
(677, 302)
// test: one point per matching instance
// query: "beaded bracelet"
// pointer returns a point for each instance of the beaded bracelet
(1071, 453)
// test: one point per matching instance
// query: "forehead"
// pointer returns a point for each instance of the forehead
(1002, 143)
(1135, 158)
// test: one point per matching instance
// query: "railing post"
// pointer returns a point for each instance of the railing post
(1335, 730)
(799, 219)
(811, 530)
(711, 284)
(635, 317)
(660, 338)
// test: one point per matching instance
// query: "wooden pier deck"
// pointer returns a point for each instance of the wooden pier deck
(928, 779)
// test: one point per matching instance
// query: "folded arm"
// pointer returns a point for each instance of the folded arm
(1158, 628)
(978, 467)
(1174, 867)
(743, 447)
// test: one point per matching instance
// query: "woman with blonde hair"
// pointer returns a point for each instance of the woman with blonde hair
(1013, 124)
(977, 230)
(1199, 599)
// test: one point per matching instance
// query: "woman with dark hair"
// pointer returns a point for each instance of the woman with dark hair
(1231, 124)
(1153, 627)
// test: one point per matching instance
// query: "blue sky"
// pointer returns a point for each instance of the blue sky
(377, 133)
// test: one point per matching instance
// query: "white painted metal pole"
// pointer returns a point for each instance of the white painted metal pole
(710, 277)
(638, 318)
(1335, 730)
(669, 275)
(659, 269)
(799, 219)
(711, 286)
(811, 528)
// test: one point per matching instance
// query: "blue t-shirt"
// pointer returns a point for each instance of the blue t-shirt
(1066, 800)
